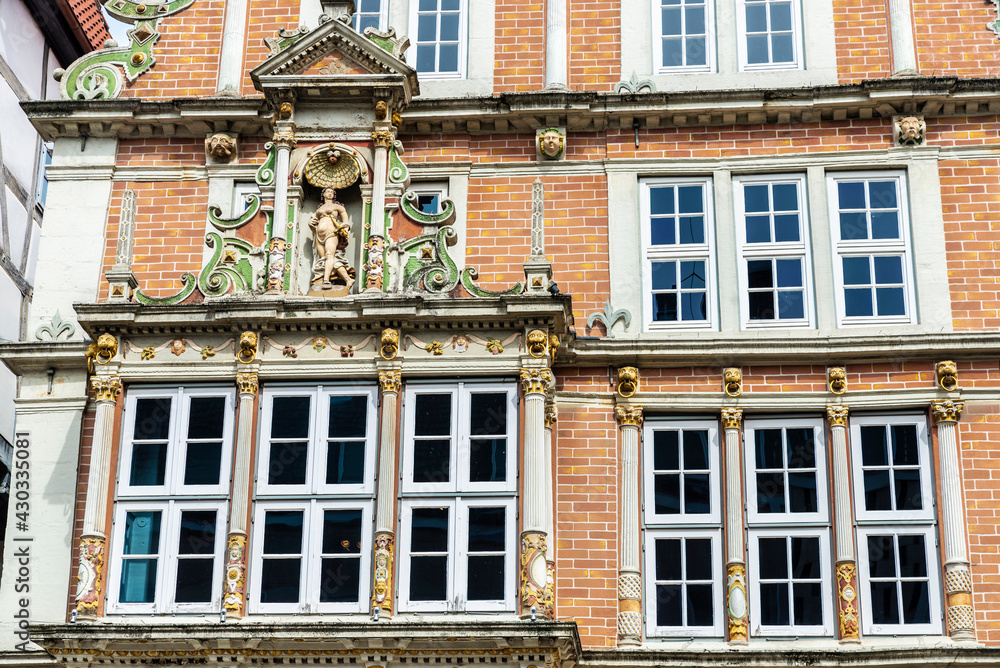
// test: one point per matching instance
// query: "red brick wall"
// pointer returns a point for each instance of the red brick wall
(519, 46)
(953, 40)
(861, 29)
(266, 17)
(594, 44)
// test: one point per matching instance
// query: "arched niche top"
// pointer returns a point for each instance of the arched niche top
(302, 155)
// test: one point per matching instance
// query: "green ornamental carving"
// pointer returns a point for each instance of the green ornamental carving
(229, 268)
(265, 174)
(431, 269)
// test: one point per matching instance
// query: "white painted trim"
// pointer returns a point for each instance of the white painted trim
(650, 427)
(717, 582)
(464, 52)
(656, 24)
(797, 60)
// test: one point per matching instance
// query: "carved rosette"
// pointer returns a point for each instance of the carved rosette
(947, 411)
(732, 418)
(276, 264)
(837, 415)
(106, 388)
(246, 383)
(234, 594)
(536, 381)
(385, 549)
(535, 592)
(736, 601)
(90, 576)
(390, 381)
(375, 266)
(629, 416)
(958, 587)
(847, 600)
(629, 608)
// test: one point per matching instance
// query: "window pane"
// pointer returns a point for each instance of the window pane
(345, 463)
(877, 496)
(698, 559)
(774, 604)
(853, 225)
(149, 464)
(690, 199)
(781, 16)
(851, 194)
(692, 229)
(348, 416)
(695, 51)
(290, 417)
(671, 21)
(486, 578)
(427, 28)
(782, 49)
(694, 20)
(912, 557)
(665, 451)
(208, 415)
(786, 228)
(768, 448)
(428, 578)
(907, 484)
(668, 559)
(756, 199)
(664, 275)
(661, 201)
(770, 493)
(283, 532)
(885, 605)
(697, 499)
(488, 460)
(449, 27)
(693, 306)
(904, 445)
(801, 448)
(786, 195)
(805, 558)
(665, 307)
(888, 270)
(287, 464)
(667, 493)
(488, 413)
(873, 446)
(756, 16)
(194, 580)
(789, 273)
(699, 605)
(758, 229)
(695, 449)
(138, 584)
(757, 49)
(279, 580)
(431, 460)
(808, 603)
(449, 58)
(429, 530)
(142, 532)
(802, 492)
(762, 305)
(673, 55)
(857, 271)
(692, 275)
(487, 527)
(152, 419)
(203, 463)
(885, 225)
(916, 605)
(425, 57)
(882, 194)
(340, 580)
(773, 554)
(759, 274)
(197, 534)
(890, 301)
(669, 605)
(342, 531)
(433, 415)
(881, 557)
(791, 304)
(858, 302)
(662, 231)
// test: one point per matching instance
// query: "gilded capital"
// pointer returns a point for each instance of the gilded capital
(390, 381)
(947, 411)
(732, 418)
(837, 416)
(550, 415)
(382, 138)
(284, 139)
(629, 416)
(106, 388)
(246, 383)
(536, 381)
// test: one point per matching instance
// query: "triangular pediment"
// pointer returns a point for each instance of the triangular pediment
(333, 58)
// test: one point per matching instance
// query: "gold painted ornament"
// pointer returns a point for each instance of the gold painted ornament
(332, 169)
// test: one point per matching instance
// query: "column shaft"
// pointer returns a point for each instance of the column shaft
(534, 569)
(736, 570)
(904, 57)
(555, 44)
(848, 613)
(629, 571)
(90, 576)
(234, 587)
(284, 140)
(375, 247)
(385, 518)
(233, 39)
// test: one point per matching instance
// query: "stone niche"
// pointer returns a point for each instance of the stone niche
(302, 270)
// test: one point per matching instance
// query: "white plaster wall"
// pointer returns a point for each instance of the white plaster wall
(53, 423)
(17, 138)
(22, 45)
(75, 219)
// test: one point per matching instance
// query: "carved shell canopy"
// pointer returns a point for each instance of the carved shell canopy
(333, 168)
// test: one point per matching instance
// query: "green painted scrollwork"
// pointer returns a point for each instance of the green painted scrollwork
(229, 267)
(190, 283)
(215, 213)
(471, 274)
(96, 75)
(265, 175)
(438, 272)
(408, 205)
(398, 171)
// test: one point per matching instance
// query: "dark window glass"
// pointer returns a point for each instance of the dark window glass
(430, 530)
(203, 463)
(197, 534)
(487, 527)
(698, 560)
(348, 416)
(142, 532)
(287, 464)
(774, 604)
(345, 462)
(279, 580)
(486, 577)
(283, 532)
(152, 419)
(668, 559)
(773, 558)
(433, 415)
(207, 417)
(340, 580)
(699, 605)
(428, 578)
(431, 460)
(669, 605)
(149, 464)
(290, 417)
(770, 492)
(342, 531)
(194, 580)
(665, 451)
(488, 460)
(488, 414)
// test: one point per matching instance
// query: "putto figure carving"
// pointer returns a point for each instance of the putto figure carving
(331, 233)
(910, 130)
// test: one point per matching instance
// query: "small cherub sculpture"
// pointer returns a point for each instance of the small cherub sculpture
(331, 233)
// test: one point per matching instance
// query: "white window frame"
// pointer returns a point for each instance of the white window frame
(458, 555)
(317, 437)
(935, 609)
(173, 479)
(927, 513)
(311, 556)
(822, 514)
(241, 190)
(382, 15)
(657, 40)
(652, 518)
(463, 42)
(826, 578)
(438, 189)
(678, 253)
(166, 557)
(797, 45)
(460, 437)
(718, 583)
(901, 247)
(774, 250)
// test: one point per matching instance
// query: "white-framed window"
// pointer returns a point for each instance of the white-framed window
(369, 14)
(460, 437)
(317, 440)
(898, 574)
(871, 239)
(429, 195)
(683, 36)
(440, 30)
(311, 555)
(167, 557)
(241, 190)
(770, 34)
(458, 554)
(176, 442)
(786, 473)
(679, 255)
(775, 271)
(684, 582)
(790, 572)
(892, 468)
(681, 464)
